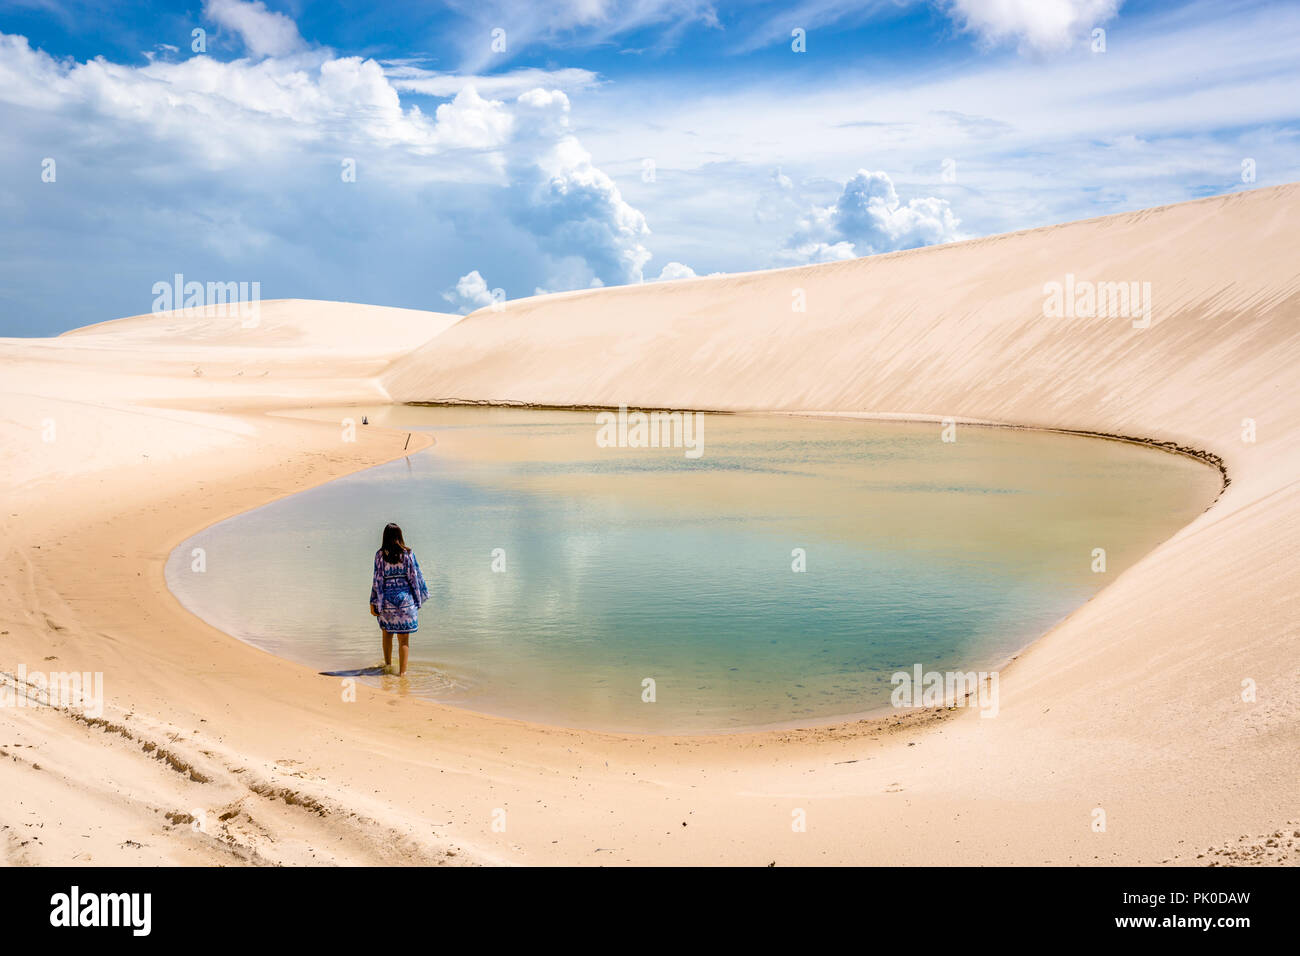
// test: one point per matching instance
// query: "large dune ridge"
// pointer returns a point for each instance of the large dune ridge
(212, 751)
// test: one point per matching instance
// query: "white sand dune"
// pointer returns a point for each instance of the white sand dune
(1133, 705)
(322, 327)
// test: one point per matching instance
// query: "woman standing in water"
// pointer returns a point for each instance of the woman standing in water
(396, 592)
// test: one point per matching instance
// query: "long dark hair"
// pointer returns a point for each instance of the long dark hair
(393, 547)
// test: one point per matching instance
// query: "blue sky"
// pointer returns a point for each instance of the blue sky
(610, 141)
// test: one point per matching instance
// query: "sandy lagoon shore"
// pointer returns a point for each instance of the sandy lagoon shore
(124, 438)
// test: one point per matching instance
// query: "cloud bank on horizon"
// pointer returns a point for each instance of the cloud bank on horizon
(495, 149)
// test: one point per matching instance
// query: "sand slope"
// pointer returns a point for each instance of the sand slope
(1133, 705)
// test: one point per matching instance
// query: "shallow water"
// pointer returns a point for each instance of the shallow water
(627, 564)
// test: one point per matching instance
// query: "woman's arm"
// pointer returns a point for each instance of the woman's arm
(418, 587)
(377, 585)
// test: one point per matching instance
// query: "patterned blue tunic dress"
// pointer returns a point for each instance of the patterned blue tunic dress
(397, 591)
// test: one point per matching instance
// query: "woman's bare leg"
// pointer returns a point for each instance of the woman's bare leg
(388, 649)
(403, 641)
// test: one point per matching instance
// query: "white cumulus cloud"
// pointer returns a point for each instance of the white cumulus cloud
(471, 292)
(1038, 25)
(868, 218)
(575, 210)
(285, 122)
(675, 270)
(264, 32)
